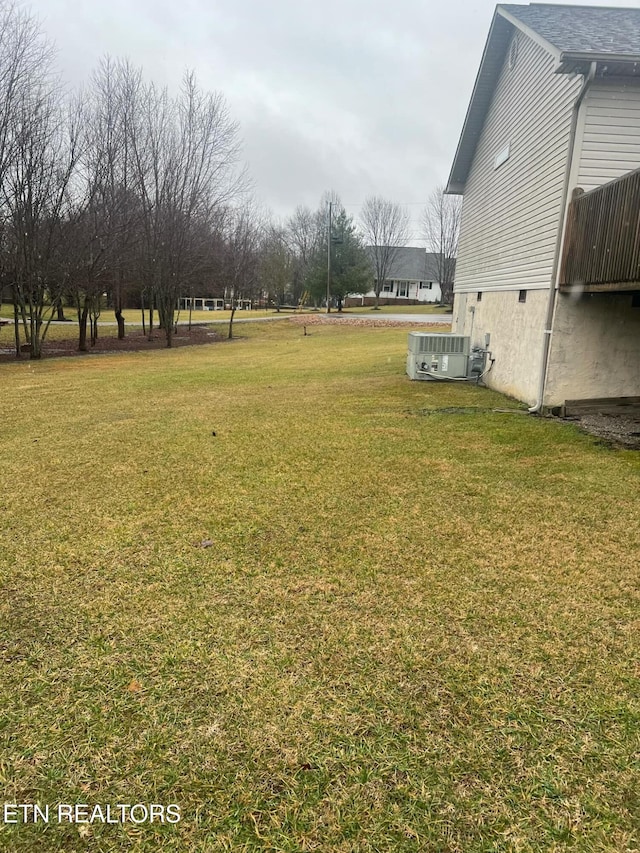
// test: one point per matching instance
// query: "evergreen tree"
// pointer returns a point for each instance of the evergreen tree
(350, 267)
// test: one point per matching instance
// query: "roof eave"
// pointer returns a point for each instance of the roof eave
(458, 175)
(454, 188)
(497, 38)
(592, 56)
(609, 64)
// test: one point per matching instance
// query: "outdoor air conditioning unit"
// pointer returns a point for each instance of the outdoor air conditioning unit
(438, 356)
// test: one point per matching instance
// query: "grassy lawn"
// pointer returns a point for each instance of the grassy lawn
(416, 627)
(133, 316)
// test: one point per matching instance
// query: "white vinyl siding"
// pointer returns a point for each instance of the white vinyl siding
(611, 132)
(510, 214)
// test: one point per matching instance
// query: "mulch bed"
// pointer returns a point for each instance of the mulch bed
(134, 341)
(346, 320)
(614, 430)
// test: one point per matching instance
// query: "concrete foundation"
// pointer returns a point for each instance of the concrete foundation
(516, 336)
(595, 348)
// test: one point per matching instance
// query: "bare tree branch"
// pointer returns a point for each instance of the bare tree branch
(385, 227)
(441, 224)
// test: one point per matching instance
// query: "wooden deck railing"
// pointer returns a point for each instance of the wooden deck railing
(602, 238)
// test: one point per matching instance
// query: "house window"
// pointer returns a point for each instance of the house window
(387, 287)
(479, 296)
(403, 288)
(522, 296)
(426, 285)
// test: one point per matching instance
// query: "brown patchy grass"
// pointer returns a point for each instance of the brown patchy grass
(416, 628)
(424, 308)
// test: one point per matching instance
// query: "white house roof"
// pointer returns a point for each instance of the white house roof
(574, 35)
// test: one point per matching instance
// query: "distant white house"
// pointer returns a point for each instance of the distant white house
(412, 277)
(548, 265)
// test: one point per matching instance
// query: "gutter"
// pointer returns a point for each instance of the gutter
(551, 302)
(592, 56)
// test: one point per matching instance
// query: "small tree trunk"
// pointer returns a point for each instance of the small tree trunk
(25, 324)
(151, 317)
(167, 315)
(60, 312)
(16, 326)
(36, 343)
(233, 311)
(93, 321)
(82, 323)
(120, 322)
(117, 305)
(144, 322)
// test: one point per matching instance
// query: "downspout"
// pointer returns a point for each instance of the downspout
(551, 302)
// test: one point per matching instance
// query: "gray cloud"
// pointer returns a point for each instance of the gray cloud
(362, 97)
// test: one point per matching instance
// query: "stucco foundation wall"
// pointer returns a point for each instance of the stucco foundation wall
(516, 336)
(595, 349)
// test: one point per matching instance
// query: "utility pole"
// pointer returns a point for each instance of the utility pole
(329, 262)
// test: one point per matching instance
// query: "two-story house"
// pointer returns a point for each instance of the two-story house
(549, 254)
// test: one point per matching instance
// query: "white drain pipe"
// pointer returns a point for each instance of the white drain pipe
(548, 323)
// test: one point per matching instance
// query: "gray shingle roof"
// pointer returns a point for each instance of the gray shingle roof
(583, 29)
(575, 35)
(411, 264)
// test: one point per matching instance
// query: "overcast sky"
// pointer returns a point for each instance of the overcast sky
(359, 96)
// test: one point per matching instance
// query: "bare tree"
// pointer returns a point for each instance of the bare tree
(108, 167)
(441, 224)
(37, 199)
(304, 233)
(25, 62)
(277, 265)
(385, 226)
(185, 152)
(241, 258)
(25, 78)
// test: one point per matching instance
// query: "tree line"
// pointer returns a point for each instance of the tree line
(124, 193)
(119, 186)
(295, 256)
